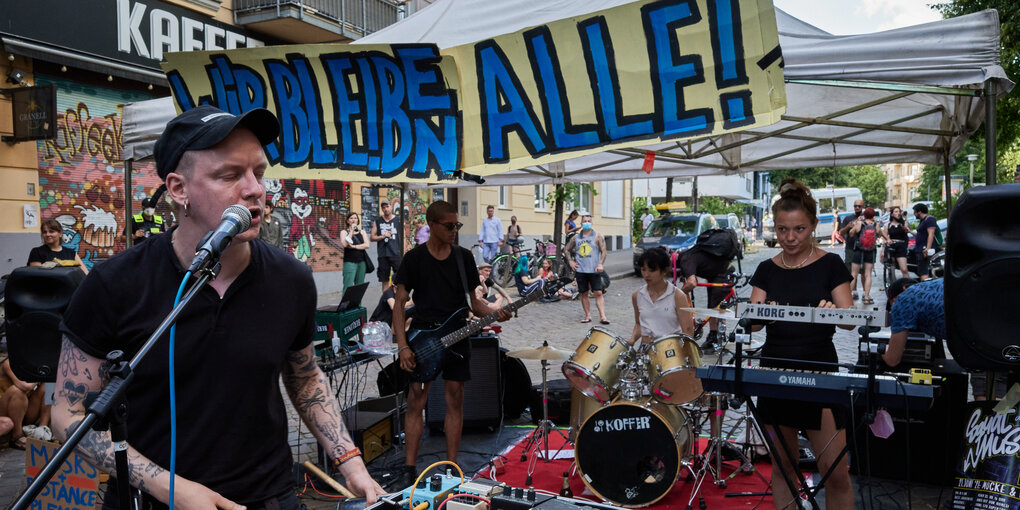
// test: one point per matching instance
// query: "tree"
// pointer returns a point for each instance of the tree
(868, 178)
(1007, 115)
(716, 205)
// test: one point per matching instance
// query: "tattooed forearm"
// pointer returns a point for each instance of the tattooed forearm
(97, 449)
(309, 391)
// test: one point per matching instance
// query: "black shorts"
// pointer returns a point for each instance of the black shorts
(456, 365)
(385, 265)
(588, 281)
(898, 250)
(864, 256)
(923, 264)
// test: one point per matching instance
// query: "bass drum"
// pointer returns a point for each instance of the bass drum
(630, 452)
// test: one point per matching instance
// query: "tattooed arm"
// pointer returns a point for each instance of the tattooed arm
(80, 374)
(308, 390)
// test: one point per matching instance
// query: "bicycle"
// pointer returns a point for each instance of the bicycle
(889, 266)
(503, 265)
(734, 282)
(547, 250)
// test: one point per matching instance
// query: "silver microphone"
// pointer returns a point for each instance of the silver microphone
(235, 219)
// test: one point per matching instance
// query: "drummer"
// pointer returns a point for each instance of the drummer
(658, 303)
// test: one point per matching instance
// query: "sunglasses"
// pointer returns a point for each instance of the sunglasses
(452, 226)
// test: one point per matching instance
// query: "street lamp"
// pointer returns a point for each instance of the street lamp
(972, 158)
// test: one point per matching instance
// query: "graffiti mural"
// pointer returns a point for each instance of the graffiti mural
(81, 179)
(81, 172)
(416, 202)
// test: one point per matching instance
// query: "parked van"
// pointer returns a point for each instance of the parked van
(830, 200)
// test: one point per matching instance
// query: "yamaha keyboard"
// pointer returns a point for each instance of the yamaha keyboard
(826, 387)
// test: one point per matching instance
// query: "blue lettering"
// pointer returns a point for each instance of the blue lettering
(293, 118)
(671, 72)
(396, 126)
(546, 67)
(601, 61)
(367, 86)
(727, 43)
(180, 90)
(339, 67)
(432, 153)
(505, 106)
(323, 155)
(425, 92)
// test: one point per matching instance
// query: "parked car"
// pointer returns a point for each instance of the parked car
(677, 231)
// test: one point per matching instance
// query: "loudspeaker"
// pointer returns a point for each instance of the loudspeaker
(483, 403)
(35, 300)
(926, 444)
(982, 278)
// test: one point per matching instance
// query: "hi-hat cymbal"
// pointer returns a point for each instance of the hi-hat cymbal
(715, 313)
(546, 352)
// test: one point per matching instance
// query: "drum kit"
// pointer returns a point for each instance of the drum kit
(646, 408)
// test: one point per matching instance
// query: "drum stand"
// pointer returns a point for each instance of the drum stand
(540, 437)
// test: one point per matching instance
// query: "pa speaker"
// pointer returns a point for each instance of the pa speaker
(483, 404)
(982, 278)
(35, 300)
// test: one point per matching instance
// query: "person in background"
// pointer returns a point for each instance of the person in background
(491, 236)
(482, 290)
(22, 404)
(657, 304)
(271, 231)
(513, 235)
(147, 223)
(384, 308)
(353, 241)
(924, 240)
(545, 272)
(52, 252)
(802, 275)
(850, 241)
(570, 226)
(646, 219)
(587, 256)
(422, 233)
(386, 231)
(896, 237)
(864, 256)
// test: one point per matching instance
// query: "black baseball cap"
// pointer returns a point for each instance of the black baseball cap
(205, 126)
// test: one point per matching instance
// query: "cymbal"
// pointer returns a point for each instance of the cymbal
(546, 352)
(714, 313)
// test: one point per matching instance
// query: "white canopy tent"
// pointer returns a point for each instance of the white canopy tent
(907, 95)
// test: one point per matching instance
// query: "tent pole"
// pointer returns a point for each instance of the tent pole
(558, 217)
(949, 180)
(403, 219)
(129, 236)
(990, 133)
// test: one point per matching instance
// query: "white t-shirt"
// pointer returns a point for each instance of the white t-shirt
(646, 219)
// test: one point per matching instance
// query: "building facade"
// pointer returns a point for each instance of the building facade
(902, 181)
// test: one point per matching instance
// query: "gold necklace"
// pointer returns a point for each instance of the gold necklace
(782, 257)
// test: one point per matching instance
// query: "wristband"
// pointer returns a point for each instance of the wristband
(402, 348)
(353, 452)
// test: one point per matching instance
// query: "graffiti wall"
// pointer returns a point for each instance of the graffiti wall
(81, 177)
(416, 202)
(81, 172)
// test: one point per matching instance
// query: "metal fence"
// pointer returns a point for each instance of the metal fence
(359, 16)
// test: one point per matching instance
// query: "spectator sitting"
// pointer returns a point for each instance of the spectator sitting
(21, 405)
(384, 310)
(524, 282)
(482, 290)
(545, 272)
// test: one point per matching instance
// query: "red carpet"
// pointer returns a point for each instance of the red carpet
(548, 476)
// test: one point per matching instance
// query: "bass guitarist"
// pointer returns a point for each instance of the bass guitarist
(441, 295)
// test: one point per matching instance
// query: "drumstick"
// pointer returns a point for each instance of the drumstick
(337, 486)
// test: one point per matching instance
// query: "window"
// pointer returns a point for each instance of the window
(540, 193)
(585, 198)
(504, 197)
(612, 199)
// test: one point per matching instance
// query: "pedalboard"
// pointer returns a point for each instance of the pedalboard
(431, 491)
(516, 498)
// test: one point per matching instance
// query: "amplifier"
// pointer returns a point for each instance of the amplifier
(483, 399)
(921, 351)
(373, 424)
(924, 443)
(559, 391)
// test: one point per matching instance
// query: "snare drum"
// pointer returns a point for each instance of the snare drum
(672, 361)
(630, 452)
(592, 369)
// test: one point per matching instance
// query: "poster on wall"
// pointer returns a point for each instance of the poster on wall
(988, 472)
(35, 112)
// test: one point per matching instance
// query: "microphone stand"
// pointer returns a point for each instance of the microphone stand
(111, 399)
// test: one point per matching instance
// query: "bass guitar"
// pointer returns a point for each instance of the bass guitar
(428, 345)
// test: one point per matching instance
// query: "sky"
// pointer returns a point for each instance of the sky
(842, 17)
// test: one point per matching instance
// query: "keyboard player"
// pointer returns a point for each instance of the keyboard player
(802, 275)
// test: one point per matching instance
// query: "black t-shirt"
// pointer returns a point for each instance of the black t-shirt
(388, 247)
(44, 254)
(703, 264)
(851, 240)
(438, 291)
(232, 424)
(921, 238)
(897, 230)
(805, 286)
(383, 312)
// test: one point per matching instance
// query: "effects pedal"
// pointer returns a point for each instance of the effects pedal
(481, 487)
(431, 491)
(516, 498)
(920, 376)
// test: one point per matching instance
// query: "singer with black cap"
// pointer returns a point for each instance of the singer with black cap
(232, 431)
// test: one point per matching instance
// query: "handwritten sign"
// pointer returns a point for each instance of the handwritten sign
(640, 73)
(988, 473)
(74, 486)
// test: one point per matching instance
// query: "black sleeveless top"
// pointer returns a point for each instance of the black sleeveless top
(353, 254)
(897, 230)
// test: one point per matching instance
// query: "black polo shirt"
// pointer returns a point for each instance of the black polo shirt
(232, 424)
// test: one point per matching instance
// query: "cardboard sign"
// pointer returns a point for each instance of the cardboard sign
(75, 486)
(640, 73)
(988, 474)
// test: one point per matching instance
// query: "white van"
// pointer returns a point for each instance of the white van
(830, 200)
